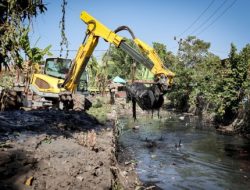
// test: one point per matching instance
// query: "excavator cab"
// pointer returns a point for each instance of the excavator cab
(57, 67)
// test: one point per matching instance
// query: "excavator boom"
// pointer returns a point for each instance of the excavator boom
(95, 30)
(158, 66)
(50, 88)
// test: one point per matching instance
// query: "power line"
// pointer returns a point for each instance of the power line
(209, 18)
(218, 17)
(196, 20)
(76, 50)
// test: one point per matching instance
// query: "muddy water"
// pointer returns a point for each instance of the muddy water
(182, 153)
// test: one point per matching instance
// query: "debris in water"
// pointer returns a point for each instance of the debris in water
(136, 127)
(182, 118)
(161, 138)
(153, 156)
(150, 143)
(29, 181)
(177, 146)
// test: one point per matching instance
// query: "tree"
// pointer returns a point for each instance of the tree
(245, 57)
(180, 93)
(192, 57)
(93, 69)
(193, 51)
(15, 17)
(166, 56)
(229, 89)
(120, 62)
(34, 54)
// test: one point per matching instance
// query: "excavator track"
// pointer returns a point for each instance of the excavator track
(10, 100)
(76, 102)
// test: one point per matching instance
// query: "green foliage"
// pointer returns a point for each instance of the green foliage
(182, 88)
(231, 86)
(6, 80)
(193, 51)
(222, 85)
(166, 56)
(191, 58)
(35, 54)
(206, 76)
(100, 109)
(15, 17)
(93, 69)
(245, 57)
(98, 74)
(120, 62)
(98, 103)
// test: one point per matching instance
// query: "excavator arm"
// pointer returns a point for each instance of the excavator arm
(95, 30)
(158, 69)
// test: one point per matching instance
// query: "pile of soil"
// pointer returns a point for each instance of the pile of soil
(50, 149)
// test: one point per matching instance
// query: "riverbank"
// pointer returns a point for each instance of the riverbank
(49, 149)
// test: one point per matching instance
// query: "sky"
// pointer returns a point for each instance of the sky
(220, 22)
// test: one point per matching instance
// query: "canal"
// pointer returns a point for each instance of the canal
(179, 152)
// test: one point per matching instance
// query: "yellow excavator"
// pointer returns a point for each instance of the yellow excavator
(57, 85)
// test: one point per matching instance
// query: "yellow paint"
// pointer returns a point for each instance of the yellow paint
(96, 29)
(52, 81)
(158, 67)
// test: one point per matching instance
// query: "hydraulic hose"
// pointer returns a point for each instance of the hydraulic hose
(121, 28)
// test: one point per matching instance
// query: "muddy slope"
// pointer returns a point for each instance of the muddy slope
(58, 150)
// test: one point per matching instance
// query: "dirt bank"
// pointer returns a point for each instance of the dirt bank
(52, 149)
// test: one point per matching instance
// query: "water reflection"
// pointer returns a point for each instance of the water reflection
(202, 160)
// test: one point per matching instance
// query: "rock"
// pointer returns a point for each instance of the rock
(182, 118)
(153, 156)
(136, 127)
(29, 181)
(150, 143)
(97, 172)
(88, 168)
(100, 163)
(79, 177)
(127, 163)
(124, 173)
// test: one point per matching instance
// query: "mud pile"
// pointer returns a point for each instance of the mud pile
(51, 149)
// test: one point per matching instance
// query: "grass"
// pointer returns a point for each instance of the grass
(99, 109)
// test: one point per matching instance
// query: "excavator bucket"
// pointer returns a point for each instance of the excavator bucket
(148, 98)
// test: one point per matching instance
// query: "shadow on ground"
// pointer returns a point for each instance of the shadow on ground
(15, 163)
(43, 144)
(45, 121)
